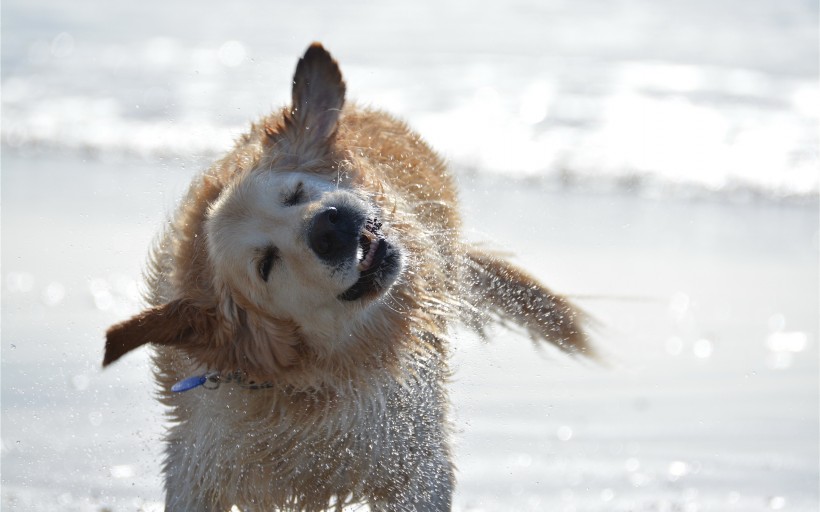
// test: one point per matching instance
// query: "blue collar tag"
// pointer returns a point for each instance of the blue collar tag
(189, 383)
(213, 379)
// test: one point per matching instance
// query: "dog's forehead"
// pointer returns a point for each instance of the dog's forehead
(268, 183)
(249, 210)
(265, 193)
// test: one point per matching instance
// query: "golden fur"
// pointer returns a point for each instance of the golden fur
(354, 407)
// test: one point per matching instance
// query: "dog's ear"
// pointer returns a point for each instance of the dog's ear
(178, 323)
(318, 97)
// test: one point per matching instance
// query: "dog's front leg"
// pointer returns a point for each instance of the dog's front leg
(429, 487)
(433, 489)
(417, 473)
(179, 500)
(184, 490)
(423, 479)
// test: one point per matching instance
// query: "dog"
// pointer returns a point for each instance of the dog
(299, 307)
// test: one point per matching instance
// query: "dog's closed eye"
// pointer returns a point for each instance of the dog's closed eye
(269, 256)
(295, 197)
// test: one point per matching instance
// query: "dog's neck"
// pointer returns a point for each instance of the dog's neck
(331, 330)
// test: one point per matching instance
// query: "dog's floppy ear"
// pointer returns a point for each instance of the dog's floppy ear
(318, 97)
(179, 323)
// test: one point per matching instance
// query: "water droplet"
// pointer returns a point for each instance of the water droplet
(780, 360)
(101, 293)
(691, 494)
(152, 506)
(122, 471)
(523, 460)
(104, 301)
(53, 294)
(65, 499)
(95, 418)
(19, 282)
(231, 54)
(535, 103)
(679, 306)
(677, 469)
(777, 502)
(777, 322)
(703, 348)
(80, 382)
(639, 479)
(787, 341)
(564, 433)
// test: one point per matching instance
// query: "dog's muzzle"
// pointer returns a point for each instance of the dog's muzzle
(340, 233)
(334, 234)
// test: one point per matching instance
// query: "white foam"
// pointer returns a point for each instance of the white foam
(721, 119)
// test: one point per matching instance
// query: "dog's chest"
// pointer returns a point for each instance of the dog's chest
(279, 443)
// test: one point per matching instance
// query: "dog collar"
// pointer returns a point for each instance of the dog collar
(212, 380)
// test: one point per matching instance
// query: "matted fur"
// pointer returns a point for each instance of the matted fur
(354, 408)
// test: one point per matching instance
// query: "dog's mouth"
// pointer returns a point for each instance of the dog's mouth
(378, 263)
(373, 246)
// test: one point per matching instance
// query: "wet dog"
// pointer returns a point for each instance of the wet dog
(300, 301)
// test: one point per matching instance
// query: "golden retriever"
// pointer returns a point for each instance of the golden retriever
(300, 301)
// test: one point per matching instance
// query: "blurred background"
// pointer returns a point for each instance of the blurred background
(720, 95)
(655, 160)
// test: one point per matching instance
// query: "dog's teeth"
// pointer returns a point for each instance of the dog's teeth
(371, 253)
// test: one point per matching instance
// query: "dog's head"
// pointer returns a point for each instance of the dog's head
(296, 248)
(300, 246)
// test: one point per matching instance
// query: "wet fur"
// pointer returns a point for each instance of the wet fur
(357, 408)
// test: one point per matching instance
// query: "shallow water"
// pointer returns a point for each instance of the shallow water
(707, 313)
(705, 95)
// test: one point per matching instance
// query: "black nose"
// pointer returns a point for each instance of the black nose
(334, 234)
